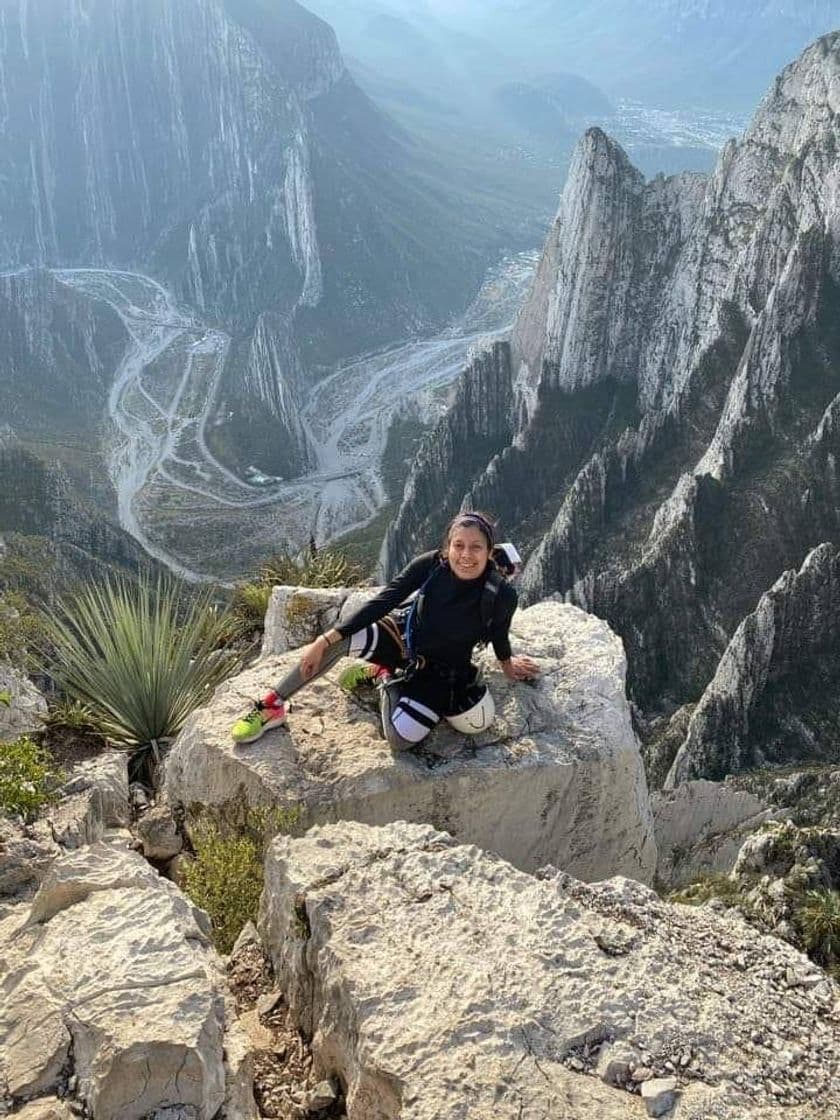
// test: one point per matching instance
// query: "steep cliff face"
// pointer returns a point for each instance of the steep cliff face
(217, 145)
(59, 351)
(773, 696)
(687, 332)
(476, 426)
(56, 529)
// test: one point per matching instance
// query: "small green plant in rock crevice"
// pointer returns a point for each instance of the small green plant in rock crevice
(817, 921)
(28, 781)
(707, 887)
(226, 877)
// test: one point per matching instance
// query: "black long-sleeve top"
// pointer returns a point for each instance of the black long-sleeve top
(451, 623)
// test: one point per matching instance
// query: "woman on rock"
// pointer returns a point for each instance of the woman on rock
(422, 653)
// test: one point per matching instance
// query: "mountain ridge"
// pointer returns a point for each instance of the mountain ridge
(706, 340)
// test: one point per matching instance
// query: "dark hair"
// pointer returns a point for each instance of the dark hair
(471, 519)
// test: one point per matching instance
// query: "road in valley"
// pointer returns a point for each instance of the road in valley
(197, 516)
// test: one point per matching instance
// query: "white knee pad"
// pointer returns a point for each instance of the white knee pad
(412, 720)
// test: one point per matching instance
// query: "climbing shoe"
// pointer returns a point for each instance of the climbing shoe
(355, 676)
(269, 712)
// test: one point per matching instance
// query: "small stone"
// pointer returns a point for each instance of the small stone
(642, 1073)
(258, 1036)
(659, 1095)
(247, 936)
(138, 796)
(577, 1065)
(267, 1003)
(158, 831)
(178, 867)
(322, 1097)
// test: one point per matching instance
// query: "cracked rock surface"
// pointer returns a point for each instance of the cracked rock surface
(557, 779)
(440, 983)
(110, 973)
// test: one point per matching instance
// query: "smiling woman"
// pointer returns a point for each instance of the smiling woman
(419, 634)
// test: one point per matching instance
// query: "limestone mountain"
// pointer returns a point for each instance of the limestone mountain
(661, 431)
(222, 149)
(201, 212)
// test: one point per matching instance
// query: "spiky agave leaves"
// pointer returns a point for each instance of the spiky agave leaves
(140, 655)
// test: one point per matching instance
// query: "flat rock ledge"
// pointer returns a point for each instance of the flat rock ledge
(440, 983)
(558, 778)
(112, 986)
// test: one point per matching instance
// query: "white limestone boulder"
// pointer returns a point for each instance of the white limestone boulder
(438, 982)
(296, 615)
(23, 706)
(92, 800)
(700, 827)
(158, 832)
(92, 803)
(110, 973)
(557, 779)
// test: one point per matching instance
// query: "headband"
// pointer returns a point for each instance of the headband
(480, 520)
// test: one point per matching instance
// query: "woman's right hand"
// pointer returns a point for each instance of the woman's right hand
(311, 658)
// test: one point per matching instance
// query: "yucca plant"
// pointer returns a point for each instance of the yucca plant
(138, 657)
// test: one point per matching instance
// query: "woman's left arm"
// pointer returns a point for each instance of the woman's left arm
(515, 668)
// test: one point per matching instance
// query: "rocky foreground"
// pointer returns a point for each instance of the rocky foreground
(438, 981)
(455, 970)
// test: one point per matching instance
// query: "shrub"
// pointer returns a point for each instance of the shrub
(137, 658)
(707, 887)
(818, 922)
(21, 629)
(27, 780)
(249, 605)
(70, 715)
(328, 567)
(226, 877)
